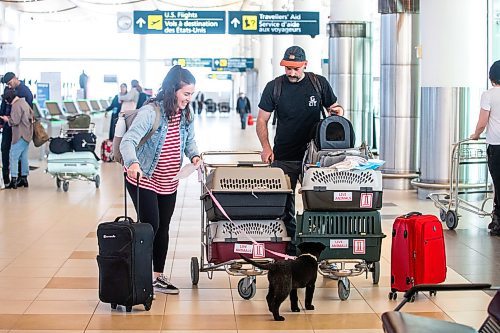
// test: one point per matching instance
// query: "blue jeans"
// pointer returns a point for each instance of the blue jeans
(19, 151)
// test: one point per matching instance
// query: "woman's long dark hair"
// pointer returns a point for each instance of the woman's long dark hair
(176, 78)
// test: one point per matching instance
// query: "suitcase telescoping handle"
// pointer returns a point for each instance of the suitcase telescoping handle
(126, 217)
(407, 215)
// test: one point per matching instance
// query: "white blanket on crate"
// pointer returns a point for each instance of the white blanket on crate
(349, 163)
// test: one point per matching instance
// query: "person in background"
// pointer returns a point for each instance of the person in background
(200, 99)
(133, 94)
(489, 118)
(298, 110)
(243, 108)
(84, 81)
(21, 121)
(116, 106)
(22, 91)
(159, 159)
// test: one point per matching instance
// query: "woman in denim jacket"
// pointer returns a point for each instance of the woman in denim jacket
(159, 159)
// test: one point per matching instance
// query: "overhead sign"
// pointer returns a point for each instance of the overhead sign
(233, 64)
(193, 62)
(218, 76)
(274, 23)
(179, 22)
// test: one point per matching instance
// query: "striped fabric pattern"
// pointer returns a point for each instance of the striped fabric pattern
(169, 162)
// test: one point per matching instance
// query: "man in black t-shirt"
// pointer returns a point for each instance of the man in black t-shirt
(298, 108)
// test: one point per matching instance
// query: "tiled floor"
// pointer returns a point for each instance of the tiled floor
(48, 272)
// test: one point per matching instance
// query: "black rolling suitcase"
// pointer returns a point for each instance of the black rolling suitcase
(125, 261)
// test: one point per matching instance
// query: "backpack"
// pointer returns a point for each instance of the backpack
(84, 142)
(278, 83)
(125, 120)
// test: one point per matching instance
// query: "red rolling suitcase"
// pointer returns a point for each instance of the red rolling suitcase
(417, 252)
(107, 150)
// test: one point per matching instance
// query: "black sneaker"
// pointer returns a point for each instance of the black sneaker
(495, 222)
(163, 285)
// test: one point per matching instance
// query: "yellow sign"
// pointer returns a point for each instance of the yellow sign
(155, 22)
(223, 62)
(181, 62)
(249, 22)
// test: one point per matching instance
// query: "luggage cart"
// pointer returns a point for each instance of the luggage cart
(464, 153)
(71, 166)
(353, 244)
(219, 236)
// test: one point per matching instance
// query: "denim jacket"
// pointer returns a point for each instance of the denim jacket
(148, 154)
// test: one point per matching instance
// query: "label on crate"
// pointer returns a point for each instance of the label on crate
(243, 248)
(366, 200)
(259, 250)
(358, 246)
(339, 243)
(342, 196)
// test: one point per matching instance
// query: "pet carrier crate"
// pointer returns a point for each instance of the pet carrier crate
(325, 189)
(227, 240)
(353, 241)
(246, 193)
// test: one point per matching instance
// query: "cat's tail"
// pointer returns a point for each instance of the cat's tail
(256, 264)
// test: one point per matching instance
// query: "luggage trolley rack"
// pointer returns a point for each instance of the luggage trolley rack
(86, 169)
(465, 152)
(219, 236)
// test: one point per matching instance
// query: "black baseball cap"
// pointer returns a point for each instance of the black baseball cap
(7, 77)
(294, 57)
(495, 72)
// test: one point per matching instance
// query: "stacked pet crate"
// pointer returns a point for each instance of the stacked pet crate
(341, 205)
(254, 199)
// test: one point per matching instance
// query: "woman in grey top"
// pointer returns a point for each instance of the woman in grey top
(21, 120)
(489, 119)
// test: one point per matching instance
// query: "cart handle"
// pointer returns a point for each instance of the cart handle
(233, 153)
(440, 287)
(407, 215)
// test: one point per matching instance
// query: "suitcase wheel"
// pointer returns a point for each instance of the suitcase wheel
(432, 293)
(393, 295)
(128, 308)
(147, 305)
(113, 306)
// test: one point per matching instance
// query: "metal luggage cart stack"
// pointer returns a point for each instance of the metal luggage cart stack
(69, 166)
(254, 196)
(465, 154)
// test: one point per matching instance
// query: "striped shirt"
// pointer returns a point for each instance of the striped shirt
(169, 162)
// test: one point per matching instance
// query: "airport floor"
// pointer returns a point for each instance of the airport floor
(49, 275)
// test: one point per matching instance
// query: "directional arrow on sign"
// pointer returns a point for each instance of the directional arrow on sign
(140, 22)
(235, 22)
